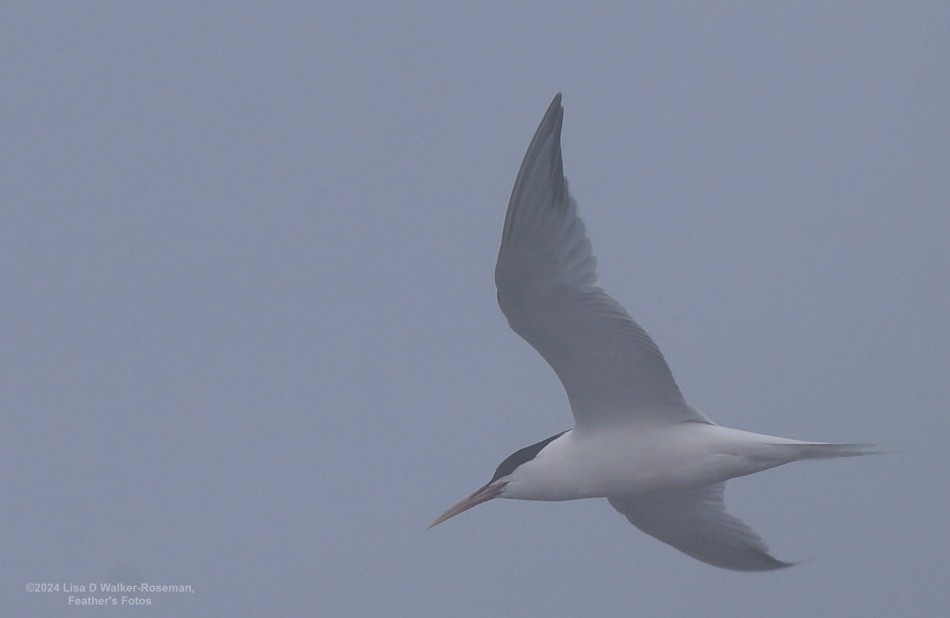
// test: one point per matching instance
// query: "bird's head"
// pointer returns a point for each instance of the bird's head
(494, 488)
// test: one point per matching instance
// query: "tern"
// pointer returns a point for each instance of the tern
(659, 461)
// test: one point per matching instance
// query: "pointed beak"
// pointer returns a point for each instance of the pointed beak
(486, 493)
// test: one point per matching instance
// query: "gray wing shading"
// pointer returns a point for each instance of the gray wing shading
(695, 522)
(545, 275)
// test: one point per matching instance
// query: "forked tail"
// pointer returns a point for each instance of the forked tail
(821, 450)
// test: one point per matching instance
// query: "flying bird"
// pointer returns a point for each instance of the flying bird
(636, 441)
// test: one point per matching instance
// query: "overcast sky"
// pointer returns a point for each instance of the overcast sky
(248, 332)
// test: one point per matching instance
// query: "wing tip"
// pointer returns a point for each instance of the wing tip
(550, 124)
(547, 133)
(757, 562)
(555, 115)
(774, 564)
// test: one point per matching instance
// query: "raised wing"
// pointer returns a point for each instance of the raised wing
(695, 522)
(611, 369)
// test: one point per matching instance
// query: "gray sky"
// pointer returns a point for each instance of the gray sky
(248, 333)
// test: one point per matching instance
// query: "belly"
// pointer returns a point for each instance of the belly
(617, 462)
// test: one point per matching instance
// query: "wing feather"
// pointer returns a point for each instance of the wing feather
(546, 275)
(695, 522)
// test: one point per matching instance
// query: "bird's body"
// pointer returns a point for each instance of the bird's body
(636, 441)
(634, 459)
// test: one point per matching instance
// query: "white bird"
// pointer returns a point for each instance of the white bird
(658, 461)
